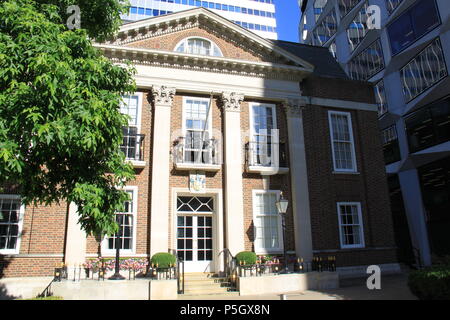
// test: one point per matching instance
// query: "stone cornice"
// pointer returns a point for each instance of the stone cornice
(231, 101)
(163, 96)
(156, 26)
(213, 64)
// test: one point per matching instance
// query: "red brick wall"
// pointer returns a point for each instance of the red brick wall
(231, 50)
(369, 187)
(340, 89)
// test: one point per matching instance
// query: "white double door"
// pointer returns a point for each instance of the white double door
(195, 242)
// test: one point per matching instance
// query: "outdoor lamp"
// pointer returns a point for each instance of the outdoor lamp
(282, 205)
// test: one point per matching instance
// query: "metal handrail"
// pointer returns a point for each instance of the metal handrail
(231, 268)
(180, 275)
(133, 145)
(277, 158)
(207, 154)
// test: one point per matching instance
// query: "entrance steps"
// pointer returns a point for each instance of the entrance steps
(196, 284)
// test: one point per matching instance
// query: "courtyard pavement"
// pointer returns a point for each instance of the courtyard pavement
(393, 287)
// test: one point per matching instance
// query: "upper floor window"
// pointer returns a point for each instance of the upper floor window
(318, 8)
(199, 46)
(422, 72)
(345, 6)
(132, 145)
(413, 24)
(391, 147)
(368, 63)
(357, 30)
(380, 97)
(304, 28)
(429, 126)
(130, 107)
(11, 217)
(264, 148)
(326, 29)
(197, 126)
(342, 144)
(392, 5)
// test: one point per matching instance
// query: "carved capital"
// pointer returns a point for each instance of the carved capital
(294, 107)
(231, 101)
(163, 96)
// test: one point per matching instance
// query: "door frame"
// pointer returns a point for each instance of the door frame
(217, 264)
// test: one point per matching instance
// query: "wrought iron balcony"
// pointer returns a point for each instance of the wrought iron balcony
(133, 146)
(191, 153)
(266, 157)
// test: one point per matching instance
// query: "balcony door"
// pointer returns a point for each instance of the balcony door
(197, 129)
(195, 232)
(264, 136)
(132, 139)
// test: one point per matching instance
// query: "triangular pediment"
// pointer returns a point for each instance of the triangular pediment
(162, 34)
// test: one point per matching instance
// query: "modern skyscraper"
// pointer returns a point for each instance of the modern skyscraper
(407, 60)
(256, 15)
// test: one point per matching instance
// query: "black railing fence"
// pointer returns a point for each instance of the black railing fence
(132, 144)
(276, 266)
(231, 270)
(266, 154)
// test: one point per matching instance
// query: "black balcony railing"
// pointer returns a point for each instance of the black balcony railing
(193, 151)
(265, 154)
(133, 144)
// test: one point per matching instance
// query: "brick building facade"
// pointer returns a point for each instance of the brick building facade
(207, 172)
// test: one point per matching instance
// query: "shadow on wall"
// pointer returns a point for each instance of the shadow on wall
(3, 291)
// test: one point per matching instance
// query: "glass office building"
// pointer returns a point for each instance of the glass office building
(407, 61)
(255, 15)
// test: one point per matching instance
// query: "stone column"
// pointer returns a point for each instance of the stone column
(159, 221)
(299, 179)
(75, 248)
(234, 203)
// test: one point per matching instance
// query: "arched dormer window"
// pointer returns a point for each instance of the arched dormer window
(199, 46)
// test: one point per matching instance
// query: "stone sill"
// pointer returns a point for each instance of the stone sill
(267, 170)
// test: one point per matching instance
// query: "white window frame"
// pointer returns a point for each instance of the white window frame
(361, 225)
(185, 42)
(259, 250)
(125, 252)
(139, 110)
(20, 224)
(352, 141)
(139, 95)
(274, 124)
(209, 117)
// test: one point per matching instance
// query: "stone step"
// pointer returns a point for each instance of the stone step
(216, 295)
(206, 291)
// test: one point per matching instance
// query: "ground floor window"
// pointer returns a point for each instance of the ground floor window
(11, 215)
(267, 222)
(127, 222)
(350, 225)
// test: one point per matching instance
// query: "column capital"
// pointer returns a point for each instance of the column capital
(294, 107)
(163, 96)
(231, 101)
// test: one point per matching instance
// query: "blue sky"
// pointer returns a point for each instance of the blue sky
(288, 18)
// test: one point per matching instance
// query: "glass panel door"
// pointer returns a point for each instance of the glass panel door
(195, 232)
(195, 242)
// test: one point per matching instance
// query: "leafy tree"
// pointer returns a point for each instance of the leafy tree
(60, 121)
